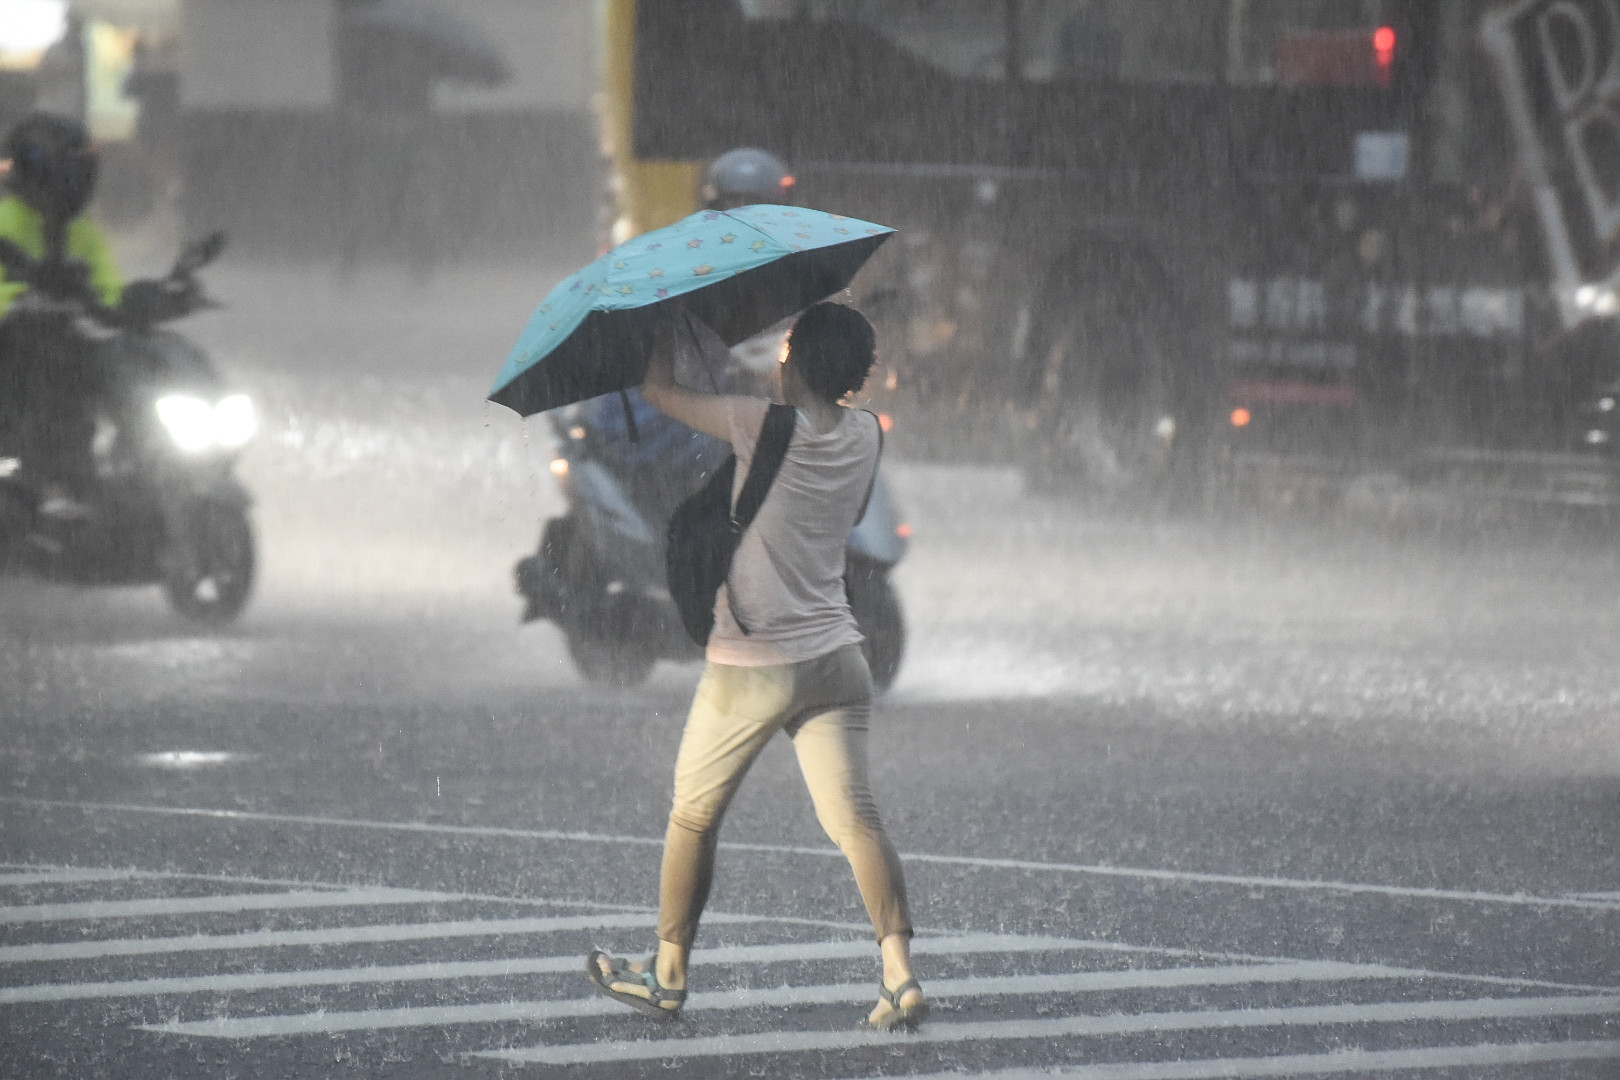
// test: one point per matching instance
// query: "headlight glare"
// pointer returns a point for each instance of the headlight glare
(195, 425)
(189, 421)
(235, 422)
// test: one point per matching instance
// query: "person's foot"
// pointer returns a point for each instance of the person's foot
(635, 983)
(905, 1009)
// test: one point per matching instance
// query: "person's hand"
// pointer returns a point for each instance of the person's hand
(67, 279)
(156, 300)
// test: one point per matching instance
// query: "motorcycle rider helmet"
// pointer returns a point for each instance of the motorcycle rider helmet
(53, 164)
(744, 176)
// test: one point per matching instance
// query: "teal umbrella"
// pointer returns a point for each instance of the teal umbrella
(740, 271)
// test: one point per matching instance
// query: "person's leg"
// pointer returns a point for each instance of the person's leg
(734, 714)
(829, 737)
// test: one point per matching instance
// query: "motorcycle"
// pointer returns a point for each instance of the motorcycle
(166, 506)
(599, 571)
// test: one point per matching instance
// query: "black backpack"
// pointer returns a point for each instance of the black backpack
(704, 530)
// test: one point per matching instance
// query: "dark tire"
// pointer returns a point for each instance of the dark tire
(1105, 409)
(608, 637)
(217, 587)
(877, 611)
(619, 662)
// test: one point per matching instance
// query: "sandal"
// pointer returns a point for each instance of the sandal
(662, 1002)
(899, 1018)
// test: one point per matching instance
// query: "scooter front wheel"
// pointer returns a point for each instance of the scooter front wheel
(606, 661)
(877, 611)
(213, 586)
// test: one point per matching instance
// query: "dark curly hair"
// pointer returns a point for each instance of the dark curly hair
(832, 348)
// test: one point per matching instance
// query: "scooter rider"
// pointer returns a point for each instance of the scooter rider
(49, 377)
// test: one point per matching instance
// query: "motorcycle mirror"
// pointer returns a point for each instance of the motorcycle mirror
(199, 254)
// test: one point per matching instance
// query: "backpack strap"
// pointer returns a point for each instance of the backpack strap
(769, 452)
(872, 485)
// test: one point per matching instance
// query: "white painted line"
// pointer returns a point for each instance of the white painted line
(767, 997)
(976, 862)
(192, 905)
(776, 1042)
(1339, 1061)
(69, 875)
(330, 935)
(294, 883)
(277, 980)
(1075, 982)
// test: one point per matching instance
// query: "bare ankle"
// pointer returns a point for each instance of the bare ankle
(671, 967)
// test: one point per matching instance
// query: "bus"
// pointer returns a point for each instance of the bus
(1161, 241)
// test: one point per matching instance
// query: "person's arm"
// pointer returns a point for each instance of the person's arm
(708, 413)
(87, 242)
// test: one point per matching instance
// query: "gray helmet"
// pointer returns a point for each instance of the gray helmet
(746, 175)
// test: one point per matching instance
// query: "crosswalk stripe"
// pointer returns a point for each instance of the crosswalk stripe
(332, 935)
(192, 905)
(1338, 1061)
(275, 980)
(68, 875)
(769, 997)
(1059, 1027)
(381, 973)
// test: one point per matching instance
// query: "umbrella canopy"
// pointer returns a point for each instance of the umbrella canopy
(740, 271)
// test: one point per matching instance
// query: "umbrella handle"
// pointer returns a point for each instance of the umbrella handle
(629, 417)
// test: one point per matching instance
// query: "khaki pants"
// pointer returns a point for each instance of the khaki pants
(823, 704)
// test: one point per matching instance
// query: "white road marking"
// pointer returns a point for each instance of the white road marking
(68, 875)
(771, 997)
(191, 905)
(1338, 1061)
(276, 980)
(1601, 903)
(777, 1042)
(330, 935)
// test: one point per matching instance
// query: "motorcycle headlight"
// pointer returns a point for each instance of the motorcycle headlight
(195, 425)
(235, 422)
(189, 421)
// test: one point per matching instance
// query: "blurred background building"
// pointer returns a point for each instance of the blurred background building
(352, 129)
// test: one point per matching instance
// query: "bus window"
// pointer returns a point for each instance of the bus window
(1132, 41)
(966, 38)
(1310, 43)
(1127, 41)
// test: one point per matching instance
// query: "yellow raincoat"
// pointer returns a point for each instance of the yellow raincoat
(25, 227)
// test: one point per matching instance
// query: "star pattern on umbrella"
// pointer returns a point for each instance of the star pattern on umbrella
(626, 290)
(757, 245)
(655, 272)
(729, 238)
(702, 269)
(695, 242)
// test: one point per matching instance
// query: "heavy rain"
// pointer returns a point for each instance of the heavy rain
(1197, 661)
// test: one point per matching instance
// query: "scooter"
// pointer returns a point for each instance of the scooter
(599, 571)
(166, 506)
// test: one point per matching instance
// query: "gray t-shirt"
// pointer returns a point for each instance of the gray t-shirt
(787, 578)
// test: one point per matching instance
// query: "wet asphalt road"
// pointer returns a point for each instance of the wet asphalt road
(1253, 796)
